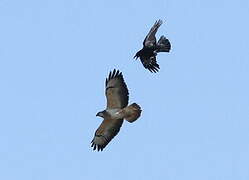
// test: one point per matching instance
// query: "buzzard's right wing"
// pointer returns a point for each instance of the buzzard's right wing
(107, 130)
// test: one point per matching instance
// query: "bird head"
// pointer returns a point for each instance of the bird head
(100, 114)
(137, 55)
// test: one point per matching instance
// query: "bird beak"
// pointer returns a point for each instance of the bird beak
(100, 114)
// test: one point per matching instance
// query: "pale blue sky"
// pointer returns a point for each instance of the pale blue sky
(55, 56)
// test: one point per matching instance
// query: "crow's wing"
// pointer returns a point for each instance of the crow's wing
(107, 130)
(116, 92)
(150, 63)
(150, 39)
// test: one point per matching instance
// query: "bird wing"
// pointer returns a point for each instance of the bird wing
(150, 63)
(150, 39)
(116, 92)
(107, 130)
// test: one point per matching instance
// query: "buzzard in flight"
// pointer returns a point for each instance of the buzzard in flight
(151, 47)
(116, 111)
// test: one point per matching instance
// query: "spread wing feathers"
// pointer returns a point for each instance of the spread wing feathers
(116, 92)
(150, 63)
(107, 130)
(150, 39)
(163, 45)
(131, 113)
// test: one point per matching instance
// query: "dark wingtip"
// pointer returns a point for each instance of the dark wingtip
(96, 146)
(153, 68)
(114, 74)
(159, 21)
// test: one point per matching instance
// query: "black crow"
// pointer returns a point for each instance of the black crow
(151, 47)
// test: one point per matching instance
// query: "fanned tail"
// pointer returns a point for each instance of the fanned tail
(132, 112)
(163, 44)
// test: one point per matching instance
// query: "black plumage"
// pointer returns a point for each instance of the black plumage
(151, 47)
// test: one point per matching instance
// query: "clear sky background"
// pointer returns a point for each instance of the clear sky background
(55, 56)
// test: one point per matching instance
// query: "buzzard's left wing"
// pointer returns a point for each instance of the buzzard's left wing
(116, 92)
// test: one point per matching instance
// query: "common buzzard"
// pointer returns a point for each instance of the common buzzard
(116, 111)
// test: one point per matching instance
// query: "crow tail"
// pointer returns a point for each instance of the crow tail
(163, 45)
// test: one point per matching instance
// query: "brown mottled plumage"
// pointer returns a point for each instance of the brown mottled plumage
(117, 100)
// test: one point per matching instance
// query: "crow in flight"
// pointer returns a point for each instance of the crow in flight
(151, 47)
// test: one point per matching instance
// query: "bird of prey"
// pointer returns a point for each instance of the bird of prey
(117, 96)
(151, 47)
